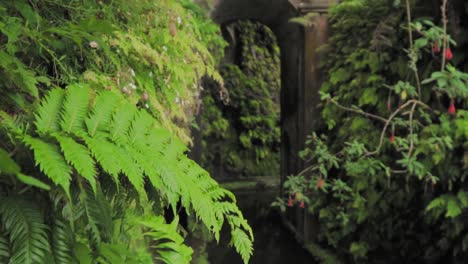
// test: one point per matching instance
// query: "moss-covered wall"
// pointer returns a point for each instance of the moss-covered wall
(242, 136)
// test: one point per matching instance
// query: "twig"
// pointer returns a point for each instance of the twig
(411, 117)
(410, 36)
(361, 112)
(389, 120)
(443, 9)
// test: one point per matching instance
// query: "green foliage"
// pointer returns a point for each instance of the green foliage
(393, 163)
(96, 100)
(242, 136)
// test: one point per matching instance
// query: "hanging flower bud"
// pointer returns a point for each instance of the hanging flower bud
(392, 137)
(452, 110)
(389, 104)
(435, 47)
(320, 183)
(448, 54)
(290, 202)
(302, 204)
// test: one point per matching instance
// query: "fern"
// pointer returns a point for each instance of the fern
(4, 247)
(61, 242)
(25, 226)
(129, 147)
(75, 108)
(169, 244)
(49, 112)
(50, 161)
(79, 156)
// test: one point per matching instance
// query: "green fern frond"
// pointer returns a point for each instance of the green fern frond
(62, 242)
(242, 243)
(48, 113)
(78, 156)
(100, 118)
(103, 151)
(169, 244)
(130, 168)
(51, 162)
(75, 108)
(25, 225)
(4, 247)
(121, 121)
(139, 128)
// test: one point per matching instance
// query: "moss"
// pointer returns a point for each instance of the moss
(242, 137)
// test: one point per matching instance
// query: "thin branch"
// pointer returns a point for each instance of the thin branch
(410, 36)
(411, 118)
(389, 120)
(361, 112)
(443, 9)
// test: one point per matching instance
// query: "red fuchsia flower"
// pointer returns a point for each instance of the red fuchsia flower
(448, 54)
(392, 137)
(320, 183)
(302, 204)
(290, 202)
(435, 47)
(452, 110)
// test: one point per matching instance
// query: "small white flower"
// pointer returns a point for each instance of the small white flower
(177, 100)
(179, 20)
(132, 85)
(164, 48)
(132, 72)
(93, 44)
(146, 105)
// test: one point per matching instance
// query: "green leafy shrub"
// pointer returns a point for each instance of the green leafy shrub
(387, 170)
(96, 100)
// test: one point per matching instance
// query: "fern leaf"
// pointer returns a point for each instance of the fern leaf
(131, 169)
(75, 108)
(7, 164)
(25, 225)
(4, 247)
(242, 244)
(32, 181)
(62, 242)
(51, 162)
(48, 113)
(78, 156)
(140, 127)
(121, 121)
(103, 151)
(102, 113)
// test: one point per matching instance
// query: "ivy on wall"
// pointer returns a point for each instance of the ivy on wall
(388, 168)
(242, 136)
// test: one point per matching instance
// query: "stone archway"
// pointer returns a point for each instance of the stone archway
(300, 77)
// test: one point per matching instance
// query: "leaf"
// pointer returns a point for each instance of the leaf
(79, 156)
(7, 164)
(48, 114)
(100, 118)
(32, 181)
(75, 108)
(51, 162)
(121, 121)
(453, 209)
(23, 221)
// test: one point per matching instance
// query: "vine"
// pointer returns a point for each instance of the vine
(365, 183)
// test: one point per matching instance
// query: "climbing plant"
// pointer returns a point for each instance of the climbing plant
(387, 170)
(242, 135)
(96, 100)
